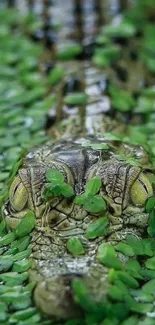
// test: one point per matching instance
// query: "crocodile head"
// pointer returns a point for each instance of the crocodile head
(124, 187)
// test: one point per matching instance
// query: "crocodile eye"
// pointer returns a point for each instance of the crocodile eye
(141, 190)
(18, 194)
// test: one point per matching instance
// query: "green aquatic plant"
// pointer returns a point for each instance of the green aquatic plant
(89, 199)
(56, 185)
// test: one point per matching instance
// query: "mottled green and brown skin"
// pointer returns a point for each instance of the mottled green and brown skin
(125, 189)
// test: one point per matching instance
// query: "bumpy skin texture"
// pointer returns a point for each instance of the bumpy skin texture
(59, 219)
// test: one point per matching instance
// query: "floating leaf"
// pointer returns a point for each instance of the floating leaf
(141, 308)
(125, 29)
(99, 146)
(26, 225)
(2, 227)
(21, 255)
(18, 301)
(7, 239)
(81, 295)
(76, 99)
(133, 268)
(68, 51)
(145, 105)
(80, 199)
(151, 224)
(142, 296)
(93, 186)
(136, 244)
(150, 204)
(127, 279)
(103, 57)
(121, 99)
(21, 244)
(125, 249)
(3, 312)
(97, 228)
(22, 266)
(95, 146)
(56, 75)
(148, 246)
(5, 263)
(115, 293)
(13, 278)
(107, 256)
(67, 190)
(75, 246)
(150, 263)
(22, 315)
(94, 204)
(54, 175)
(149, 287)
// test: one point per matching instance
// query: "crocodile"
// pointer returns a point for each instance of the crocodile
(125, 188)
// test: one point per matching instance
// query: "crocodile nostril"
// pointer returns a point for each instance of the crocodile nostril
(111, 210)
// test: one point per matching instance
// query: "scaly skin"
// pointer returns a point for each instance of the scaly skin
(125, 189)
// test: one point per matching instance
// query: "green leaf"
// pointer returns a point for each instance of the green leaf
(151, 224)
(124, 29)
(93, 186)
(136, 244)
(121, 99)
(133, 264)
(141, 296)
(97, 228)
(80, 199)
(133, 268)
(148, 246)
(94, 204)
(21, 244)
(127, 279)
(145, 105)
(81, 295)
(22, 315)
(149, 92)
(26, 225)
(107, 256)
(103, 57)
(54, 175)
(67, 190)
(6, 263)
(76, 99)
(95, 146)
(125, 249)
(21, 255)
(56, 75)
(68, 51)
(54, 190)
(7, 239)
(14, 278)
(150, 263)
(115, 293)
(22, 266)
(148, 274)
(149, 287)
(75, 246)
(150, 204)
(18, 301)
(132, 320)
(2, 227)
(141, 308)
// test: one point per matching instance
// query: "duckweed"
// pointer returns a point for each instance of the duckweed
(75, 246)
